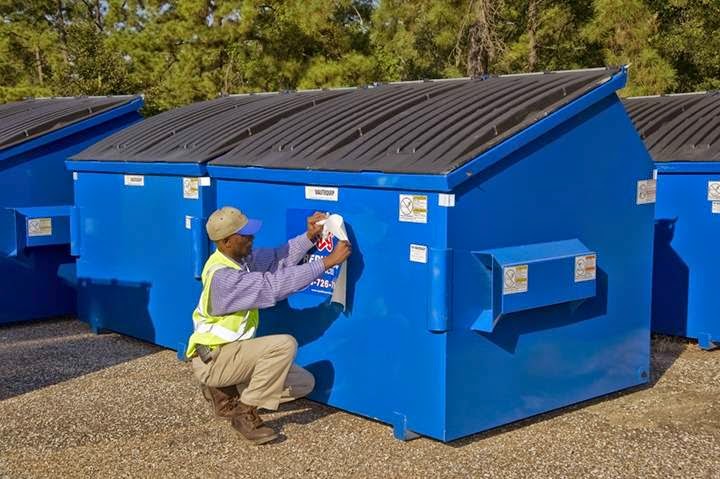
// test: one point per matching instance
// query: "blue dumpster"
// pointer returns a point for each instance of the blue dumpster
(142, 197)
(36, 194)
(682, 133)
(501, 262)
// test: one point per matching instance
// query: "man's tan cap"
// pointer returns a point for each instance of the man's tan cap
(227, 221)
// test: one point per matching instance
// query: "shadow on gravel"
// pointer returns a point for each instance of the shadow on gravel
(664, 353)
(38, 354)
(301, 411)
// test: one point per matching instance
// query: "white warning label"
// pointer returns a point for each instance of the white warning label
(448, 201)
(646, 191)
(188, 222)
(205, 181)
(585, 267)
(515, 279)
(322, 193)
(39, 226)
(716, 207)
(134, 180)
(413, 208)
(713, 190)
(191, 188)
(418, 253)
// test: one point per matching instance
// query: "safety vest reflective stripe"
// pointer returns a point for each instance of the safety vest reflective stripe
(220, 331)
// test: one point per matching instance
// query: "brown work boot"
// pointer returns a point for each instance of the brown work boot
(248, 423)
(224, 400)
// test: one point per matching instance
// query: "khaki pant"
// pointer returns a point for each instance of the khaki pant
(261, 368)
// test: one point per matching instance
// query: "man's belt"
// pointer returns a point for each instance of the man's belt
(204, 353)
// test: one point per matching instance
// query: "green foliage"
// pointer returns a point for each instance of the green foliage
(92, 67)
(626, 29)
(180, 51)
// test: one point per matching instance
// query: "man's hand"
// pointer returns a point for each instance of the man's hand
(313, 229)
(340, 253)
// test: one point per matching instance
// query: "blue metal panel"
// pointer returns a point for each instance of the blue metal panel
(578, 181)
(378, 358)
(38, 280)
(141, 250)
(687, 167)
(177, 169)
(314, 177)
(685, 287)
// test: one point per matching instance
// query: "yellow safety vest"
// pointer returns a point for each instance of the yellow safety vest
(216, 330)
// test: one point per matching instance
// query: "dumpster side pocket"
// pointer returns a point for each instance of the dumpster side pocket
(34, 227)
(533, 276)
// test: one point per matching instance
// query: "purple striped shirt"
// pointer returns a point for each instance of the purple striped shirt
(274, 274)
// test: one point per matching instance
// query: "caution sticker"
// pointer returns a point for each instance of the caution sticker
(191, 188)
(713, 191)
(646, 191)
(322, 193)
(515, 279)
(134, 180)
(413, 208)
(418, 253)
(39, 226)
(585, 267)
(716, 207)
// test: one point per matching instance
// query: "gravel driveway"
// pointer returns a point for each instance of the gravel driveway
(74, 404)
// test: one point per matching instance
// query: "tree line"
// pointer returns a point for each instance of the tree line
(180, 51)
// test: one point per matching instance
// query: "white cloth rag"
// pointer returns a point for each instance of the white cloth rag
(336, 225)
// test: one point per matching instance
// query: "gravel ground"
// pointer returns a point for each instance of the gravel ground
(78, 405)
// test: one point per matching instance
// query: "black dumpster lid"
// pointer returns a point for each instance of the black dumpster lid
(25, 120)
(678, 127)
(413, 127)
(202, 131)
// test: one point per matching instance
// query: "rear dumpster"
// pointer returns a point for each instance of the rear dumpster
(682, 133)
(36, 196)
(142, 198)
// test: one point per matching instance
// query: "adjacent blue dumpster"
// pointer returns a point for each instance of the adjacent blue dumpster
(142, 198)
(501, 261)
(36, 196)
(682, 133)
